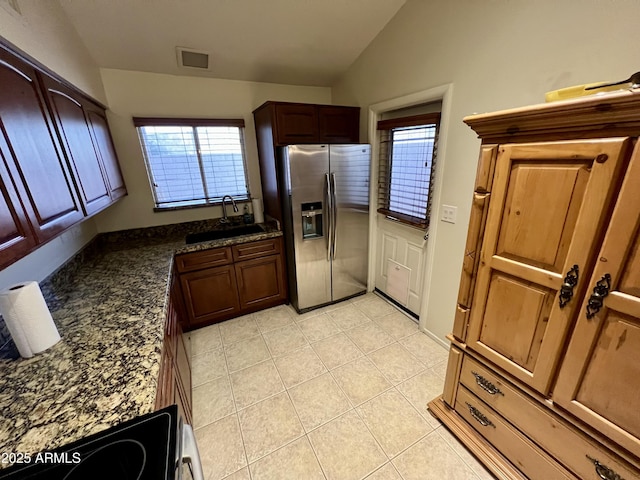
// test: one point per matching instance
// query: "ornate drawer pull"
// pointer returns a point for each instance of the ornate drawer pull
(486, 385)
(596, 300)
(570, 281)
(479, 417)
(604, 472)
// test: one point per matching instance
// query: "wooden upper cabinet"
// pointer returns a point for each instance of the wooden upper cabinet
(16, 236)
(338, 124)
(37, 165)
(598, 379)
(279, 124)
(104, 146)
(59, 160)
(549, 204)
(84, 132)
(73, 128)
(296, 123)
(301, 123)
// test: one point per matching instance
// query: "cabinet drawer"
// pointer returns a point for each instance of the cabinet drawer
(246, 251)
(214, 257)
(569, 446)
(532, 461)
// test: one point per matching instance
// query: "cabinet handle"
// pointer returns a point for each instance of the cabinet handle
(486, 385)
(570, 281)
(479, 417)
(596, 300)
(604, 472)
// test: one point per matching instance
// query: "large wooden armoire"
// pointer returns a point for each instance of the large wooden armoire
(543, 378)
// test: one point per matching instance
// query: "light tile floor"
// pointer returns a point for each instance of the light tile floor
(339, 393)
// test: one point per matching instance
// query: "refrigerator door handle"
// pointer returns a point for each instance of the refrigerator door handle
(329, 204)
(334, 216)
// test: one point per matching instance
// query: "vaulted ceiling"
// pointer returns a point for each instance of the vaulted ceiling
(298, 42)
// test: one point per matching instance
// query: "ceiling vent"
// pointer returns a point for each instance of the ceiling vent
(190, 58)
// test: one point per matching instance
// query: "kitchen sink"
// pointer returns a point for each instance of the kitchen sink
(224, 232)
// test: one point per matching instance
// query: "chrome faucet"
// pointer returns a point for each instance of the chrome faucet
(224, 218)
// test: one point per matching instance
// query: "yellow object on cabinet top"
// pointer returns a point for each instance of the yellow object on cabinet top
(580, 91)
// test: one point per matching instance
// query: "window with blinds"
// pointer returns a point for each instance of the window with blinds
(193, 162)
(407, 164)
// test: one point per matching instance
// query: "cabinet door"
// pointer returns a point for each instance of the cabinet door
(37, 164)
(165, 391)
(261, 283)
(338, 124)
(16, 236)
(106, 150)
(73, 128)
(296, 124)
(599, 379)
(549, 203)
(210, 295)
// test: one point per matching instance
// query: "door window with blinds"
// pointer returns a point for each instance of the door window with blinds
(407, 164)
(193, 162)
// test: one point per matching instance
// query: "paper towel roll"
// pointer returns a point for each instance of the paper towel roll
(258, 210)
(28, 318)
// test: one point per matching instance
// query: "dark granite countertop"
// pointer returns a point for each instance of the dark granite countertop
(109, 306)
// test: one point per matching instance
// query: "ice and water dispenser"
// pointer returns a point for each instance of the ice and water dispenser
(311, 220)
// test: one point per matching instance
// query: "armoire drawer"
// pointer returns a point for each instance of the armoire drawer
(572, 448)
(524, 454)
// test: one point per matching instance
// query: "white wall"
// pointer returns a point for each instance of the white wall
(139, 94)
(42, 31)
(498, 54)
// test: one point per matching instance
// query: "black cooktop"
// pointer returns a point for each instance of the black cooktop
(141, 449)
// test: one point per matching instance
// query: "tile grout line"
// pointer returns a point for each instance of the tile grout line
(353, 406)
(235, 407)
(286, 390)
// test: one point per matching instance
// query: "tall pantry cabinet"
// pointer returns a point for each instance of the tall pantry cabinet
(543, 378)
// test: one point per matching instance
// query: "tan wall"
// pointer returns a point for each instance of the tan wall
(498, 54)
(142, 94)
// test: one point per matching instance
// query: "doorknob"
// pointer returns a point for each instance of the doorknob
(596, 300)
(570, 281)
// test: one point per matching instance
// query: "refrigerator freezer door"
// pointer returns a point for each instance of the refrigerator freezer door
(350, 174)
(307, 166)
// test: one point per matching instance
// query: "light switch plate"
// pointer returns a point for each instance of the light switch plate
(449, 213)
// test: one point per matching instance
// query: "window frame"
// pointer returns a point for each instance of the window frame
(385, 166)
(139, 122)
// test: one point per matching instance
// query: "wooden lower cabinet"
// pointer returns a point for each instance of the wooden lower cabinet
(174, 378)
(210, 295)
(543, 378)
(261, 282)
(249, 277)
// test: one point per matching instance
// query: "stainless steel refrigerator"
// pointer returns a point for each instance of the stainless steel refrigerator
(326, 221)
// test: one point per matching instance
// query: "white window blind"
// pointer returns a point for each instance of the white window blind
(407, 162)
(194, 162)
